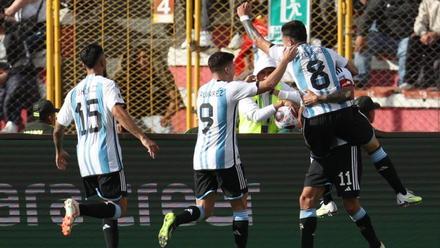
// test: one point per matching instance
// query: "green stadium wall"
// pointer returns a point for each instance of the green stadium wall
(32, 191)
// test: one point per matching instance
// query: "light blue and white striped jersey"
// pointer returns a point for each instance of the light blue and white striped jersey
(90, 104)
(217, 101)
(314, 69)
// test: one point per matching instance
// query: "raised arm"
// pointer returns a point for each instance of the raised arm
(272, 80)
(127, 122)
(243, 12)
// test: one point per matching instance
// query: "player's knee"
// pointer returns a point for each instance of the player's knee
(306, 200)
(351, 205)
(372, 145)
(123, 204)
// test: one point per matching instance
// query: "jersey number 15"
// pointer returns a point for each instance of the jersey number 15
(94, 125)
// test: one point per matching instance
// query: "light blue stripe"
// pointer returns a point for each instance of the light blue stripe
(299, 74)
(202, 213)
(86, 125)
(222, 114)
(334, 74)
(240, 215)
(302, 83)
(358, 215)
(206, 138)
(378, 155)
(103, 155)
(332, 68)
(307, 213)
(118, 212)
(78, 125)
(208, 134)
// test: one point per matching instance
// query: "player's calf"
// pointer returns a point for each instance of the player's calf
(362, 220)
(240, 228)
(307, 216)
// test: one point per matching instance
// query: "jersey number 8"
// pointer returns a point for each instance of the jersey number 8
(316, 67)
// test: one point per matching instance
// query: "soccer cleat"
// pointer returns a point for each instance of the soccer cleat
(329, 209)
(408, 199)
(166, 229)
(72, 211)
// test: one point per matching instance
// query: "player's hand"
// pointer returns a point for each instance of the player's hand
(310, 98)
(425, 39)
(360, 43)
(250, 78)
(429, 38)
(290, 53)
(279, 104)
(244, 9)
(62, 160)
(151, 146)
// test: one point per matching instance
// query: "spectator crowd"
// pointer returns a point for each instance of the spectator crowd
(403, 31)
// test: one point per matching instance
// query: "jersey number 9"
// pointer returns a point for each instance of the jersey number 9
(206, 113)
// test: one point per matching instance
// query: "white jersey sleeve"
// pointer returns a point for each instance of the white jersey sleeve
(276, 52)
(339, 60)
(289, 93)
(65, 115)
(241, 89)
(248, 108)
(112, 95)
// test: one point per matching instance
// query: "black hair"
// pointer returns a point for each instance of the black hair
(295, 30)
(219, 60)
(90, 55)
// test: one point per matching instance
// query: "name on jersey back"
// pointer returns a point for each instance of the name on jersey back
(217, 93)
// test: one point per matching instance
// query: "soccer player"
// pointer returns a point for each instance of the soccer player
(95, 104)
(257, 114)
(329, 110)
(216, 159)
(341, 168)
(366, 107)
(328, 206)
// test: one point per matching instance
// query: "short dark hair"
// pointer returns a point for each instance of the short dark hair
(219, 60)
(295, 30)
(90, 55)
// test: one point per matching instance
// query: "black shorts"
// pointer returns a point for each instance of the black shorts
(348, 124)
(109, 187)
(232, 181)
(342, 168)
